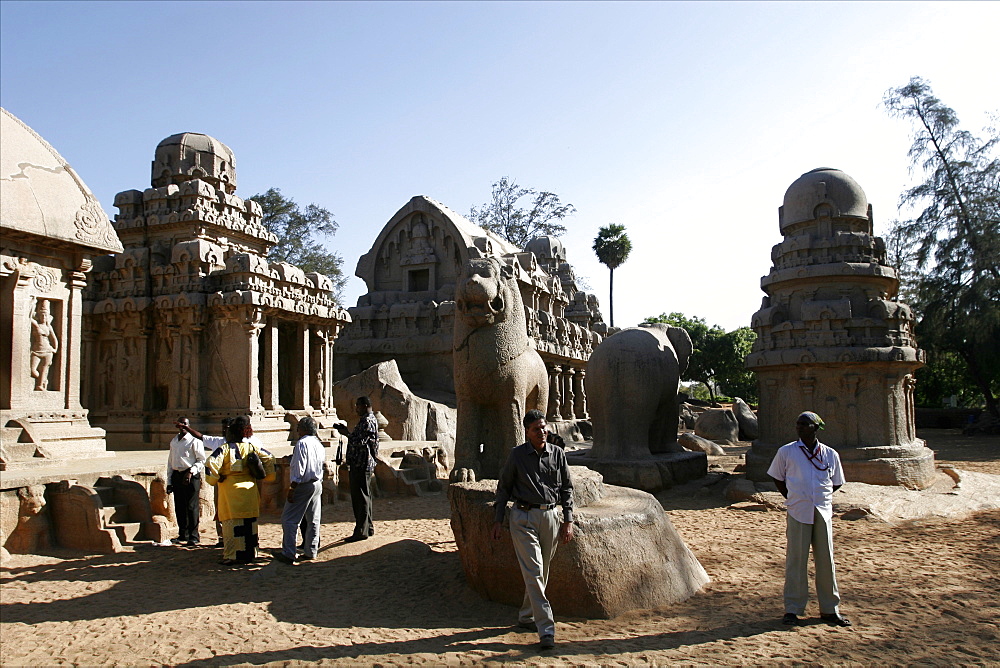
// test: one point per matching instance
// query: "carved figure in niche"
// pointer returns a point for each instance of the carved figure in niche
(130, 380)
(631, 386)
(499, 375)
(44, 344)
(185, 364)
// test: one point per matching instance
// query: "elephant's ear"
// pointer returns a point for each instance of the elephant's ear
(681, 341)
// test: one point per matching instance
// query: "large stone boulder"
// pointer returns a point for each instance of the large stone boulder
(410, 417)
(718, 424)
(746, 419)
(626, 555)
(696, 443)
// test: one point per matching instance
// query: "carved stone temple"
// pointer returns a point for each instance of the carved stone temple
(191, 318)
(50, 227)
(409, 310)
(832, 339)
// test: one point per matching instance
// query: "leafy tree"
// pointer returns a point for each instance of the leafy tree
(718, 357)
(612, 247)
(300, 233)
(955, 235)
(519, 225)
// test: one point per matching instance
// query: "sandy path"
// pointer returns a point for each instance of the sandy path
(918, 593)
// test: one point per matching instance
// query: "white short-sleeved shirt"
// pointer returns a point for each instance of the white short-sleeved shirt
(307, 460)
(809, 487)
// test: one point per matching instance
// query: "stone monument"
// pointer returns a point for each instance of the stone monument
(51, 227)
(191, 318)
(408, 313)
(832, 338)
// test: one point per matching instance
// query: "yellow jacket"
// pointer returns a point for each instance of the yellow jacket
(239, 493)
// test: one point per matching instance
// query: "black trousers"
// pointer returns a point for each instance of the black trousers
(361, 500)
(187, 505)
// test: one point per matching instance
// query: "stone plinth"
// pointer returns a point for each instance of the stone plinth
(832, 338)
(653, 473)
(626, 554)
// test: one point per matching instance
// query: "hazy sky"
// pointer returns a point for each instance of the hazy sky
(685, 122)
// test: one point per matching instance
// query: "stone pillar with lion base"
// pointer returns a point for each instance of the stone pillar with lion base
(51, 226)
(832, 338)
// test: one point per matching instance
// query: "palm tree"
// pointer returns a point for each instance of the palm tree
(612, 247)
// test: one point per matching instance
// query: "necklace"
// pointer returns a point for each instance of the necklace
(814, 459)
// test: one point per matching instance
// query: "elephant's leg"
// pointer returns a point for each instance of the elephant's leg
(663, 431)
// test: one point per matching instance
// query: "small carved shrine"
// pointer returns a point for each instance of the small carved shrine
(831, 338)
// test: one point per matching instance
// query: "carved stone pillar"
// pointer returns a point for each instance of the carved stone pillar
(269, 374)
(76, 281)
(252, 326)
(555, 392)
(567, 394)
(302, 380)
(580, 409)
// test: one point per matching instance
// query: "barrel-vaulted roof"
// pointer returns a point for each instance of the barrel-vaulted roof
(459, 226)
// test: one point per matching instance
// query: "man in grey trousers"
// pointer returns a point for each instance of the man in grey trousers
(536, 478)
(304, 503)
(807, 473)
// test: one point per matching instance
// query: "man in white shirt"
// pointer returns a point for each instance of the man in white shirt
(185, 463)
(807, 473)
(305, 492)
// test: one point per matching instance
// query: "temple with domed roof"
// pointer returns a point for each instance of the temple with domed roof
(192, 319)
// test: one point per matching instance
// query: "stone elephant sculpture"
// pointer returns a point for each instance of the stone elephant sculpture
(498, 373)
(631, 383)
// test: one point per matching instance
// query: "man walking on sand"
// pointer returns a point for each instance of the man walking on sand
(305, 491)
(536, 477)
(807, 474)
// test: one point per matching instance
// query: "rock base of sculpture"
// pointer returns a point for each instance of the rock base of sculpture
(909, 466)
(626, 555)
(652, 474)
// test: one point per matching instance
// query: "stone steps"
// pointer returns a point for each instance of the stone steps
(127, 531)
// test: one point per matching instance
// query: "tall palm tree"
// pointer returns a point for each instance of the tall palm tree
(612, 247)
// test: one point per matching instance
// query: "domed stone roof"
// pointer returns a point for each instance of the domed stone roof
(547, 248)
(838, 193)
(41, 195)
(191, 155)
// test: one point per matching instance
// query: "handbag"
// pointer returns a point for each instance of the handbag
(255, 466)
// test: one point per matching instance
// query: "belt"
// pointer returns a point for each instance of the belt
(531, 506)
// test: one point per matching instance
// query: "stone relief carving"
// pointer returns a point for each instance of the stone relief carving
(44, 344)
(92, 224)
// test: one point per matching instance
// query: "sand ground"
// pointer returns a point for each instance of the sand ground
(919, 592)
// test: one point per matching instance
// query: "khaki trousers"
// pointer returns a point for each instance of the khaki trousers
(800, 537)
(535, 534)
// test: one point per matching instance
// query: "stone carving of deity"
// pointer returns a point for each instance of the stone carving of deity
(44, 344)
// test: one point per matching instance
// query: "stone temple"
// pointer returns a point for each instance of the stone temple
(408, 313)
(51, 227)
(191, 318)
(832, 339)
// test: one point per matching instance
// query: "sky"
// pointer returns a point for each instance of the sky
(683, 121)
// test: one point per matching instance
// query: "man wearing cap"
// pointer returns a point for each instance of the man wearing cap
(536, 478)
(807, 474)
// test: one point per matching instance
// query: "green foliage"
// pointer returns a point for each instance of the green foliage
(612, 247)
(946, 375)
(954, 237)
(300, 234)
(518, 225)
(717, 360)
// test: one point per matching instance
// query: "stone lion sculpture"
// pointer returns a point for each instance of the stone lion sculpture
(631, 384)
(498, 373)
